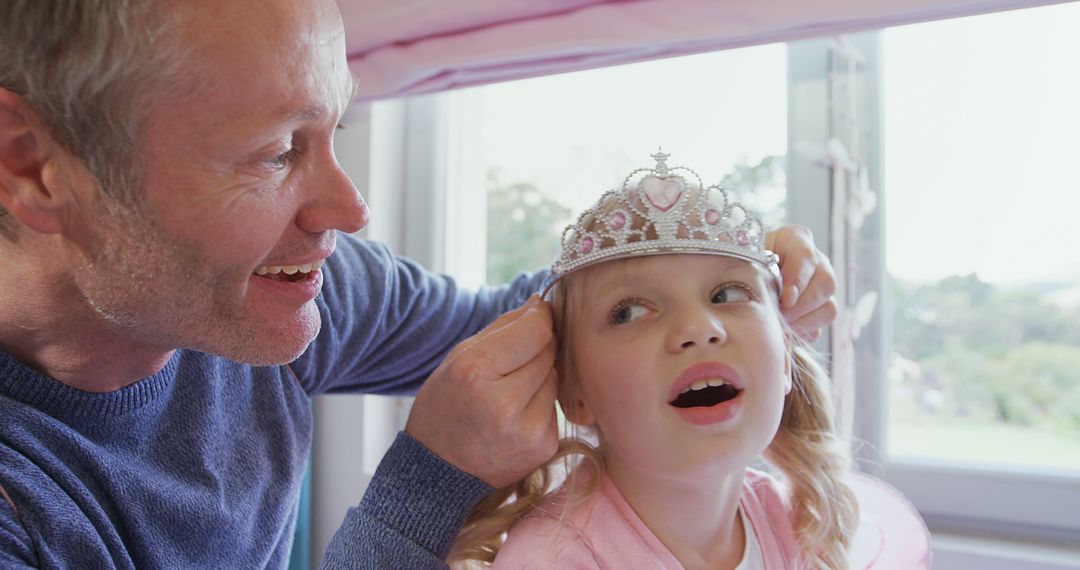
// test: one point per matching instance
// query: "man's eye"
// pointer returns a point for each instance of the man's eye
(732, 294)
(284, 159)
(627, 311)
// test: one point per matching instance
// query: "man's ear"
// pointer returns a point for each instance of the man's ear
(573, 406)
(34, 186)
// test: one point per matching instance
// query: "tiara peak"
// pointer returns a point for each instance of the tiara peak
(662, 210)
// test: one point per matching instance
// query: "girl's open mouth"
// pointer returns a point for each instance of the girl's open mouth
(705, 394)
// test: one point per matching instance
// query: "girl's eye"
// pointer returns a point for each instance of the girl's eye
(627, 311)
(732, 294)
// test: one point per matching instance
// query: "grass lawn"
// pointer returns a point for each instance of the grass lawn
(981, 442)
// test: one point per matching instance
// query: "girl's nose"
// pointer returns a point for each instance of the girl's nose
(698, 329)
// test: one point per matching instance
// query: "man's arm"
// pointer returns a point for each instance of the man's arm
(15, 547)
(487, 410)
(409, 515)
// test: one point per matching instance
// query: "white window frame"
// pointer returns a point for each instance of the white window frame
(1014, 519)
(955, 500)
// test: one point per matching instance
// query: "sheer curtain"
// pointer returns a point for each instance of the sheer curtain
(419, 46)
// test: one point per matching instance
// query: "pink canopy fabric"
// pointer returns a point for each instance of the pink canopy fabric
(409, 47)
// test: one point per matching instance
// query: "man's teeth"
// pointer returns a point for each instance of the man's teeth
(289, 269)
(702, 384)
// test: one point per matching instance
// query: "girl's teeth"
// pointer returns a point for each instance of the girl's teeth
(702, 384)
(290, 269)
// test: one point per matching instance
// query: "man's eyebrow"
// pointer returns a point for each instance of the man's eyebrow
(307, 113)
(315, 111)
(353, 90)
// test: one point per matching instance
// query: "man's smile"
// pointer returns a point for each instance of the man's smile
(289, 273)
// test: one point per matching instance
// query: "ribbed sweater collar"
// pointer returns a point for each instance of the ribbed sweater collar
(28, 386)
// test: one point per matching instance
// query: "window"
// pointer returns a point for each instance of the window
(968, 395)
(981, 120)
(982, 381)
(539, 151)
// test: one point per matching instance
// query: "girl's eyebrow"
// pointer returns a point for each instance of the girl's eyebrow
(623, 279)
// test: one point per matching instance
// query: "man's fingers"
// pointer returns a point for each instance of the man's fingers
(540, 413)
(800, 263)
(813, 295)
(796, 276)
(514, 342)
(503, 320)
(809, 325)
(543, 400)
(529, 377)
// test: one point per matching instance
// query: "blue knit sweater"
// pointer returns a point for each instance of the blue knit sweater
(200, 465)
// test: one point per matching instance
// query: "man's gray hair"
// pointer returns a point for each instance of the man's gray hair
(87, 69)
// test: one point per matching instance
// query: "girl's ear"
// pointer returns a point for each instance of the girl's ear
(573, 406)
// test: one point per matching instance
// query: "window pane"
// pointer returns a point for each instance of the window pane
(549, 146)
(981, 124)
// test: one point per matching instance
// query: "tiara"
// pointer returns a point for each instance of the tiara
(659, 210)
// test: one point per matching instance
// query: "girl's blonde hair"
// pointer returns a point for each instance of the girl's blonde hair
(484, 531)
(811, 457)
(814, 460)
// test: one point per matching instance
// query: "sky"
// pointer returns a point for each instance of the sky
(578, 134)
(981, 136)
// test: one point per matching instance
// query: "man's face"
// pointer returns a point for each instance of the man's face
(242, 187)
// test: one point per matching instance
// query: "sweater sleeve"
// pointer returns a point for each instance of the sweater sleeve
(386, 325)
(410, 514)
(387, 322)
(15, 547)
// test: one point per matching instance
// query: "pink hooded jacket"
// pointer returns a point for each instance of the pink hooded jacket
(605, 532)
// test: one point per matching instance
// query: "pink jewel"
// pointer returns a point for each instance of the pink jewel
(712, 217)
(586, 245)
(740, 236)
(663, 193)
(618, 221)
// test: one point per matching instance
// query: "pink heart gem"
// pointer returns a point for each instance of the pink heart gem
(662, 192)
(617, 221)
(742, 238)
(712, 217)
(586, 245)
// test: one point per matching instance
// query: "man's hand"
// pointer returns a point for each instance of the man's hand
(489, 408)
(809, 282)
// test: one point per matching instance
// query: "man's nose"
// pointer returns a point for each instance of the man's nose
(336, 204)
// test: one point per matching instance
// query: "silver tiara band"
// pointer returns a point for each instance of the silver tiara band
(662, 210)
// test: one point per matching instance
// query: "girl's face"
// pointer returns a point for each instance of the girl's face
(679, 362)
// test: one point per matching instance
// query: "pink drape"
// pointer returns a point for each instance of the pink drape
(405, 47)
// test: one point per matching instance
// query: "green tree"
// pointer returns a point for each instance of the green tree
(524, 226)
(762, 185)
(1008, 355)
